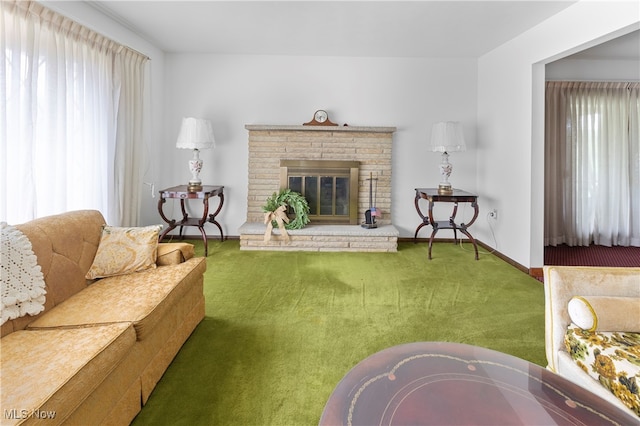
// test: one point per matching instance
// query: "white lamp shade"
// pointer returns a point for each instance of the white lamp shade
(195, 133)
(447, 136)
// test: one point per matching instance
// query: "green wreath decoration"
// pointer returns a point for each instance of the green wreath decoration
(291, 199)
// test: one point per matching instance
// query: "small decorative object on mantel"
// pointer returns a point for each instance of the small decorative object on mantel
(320, 118)
(276, 215)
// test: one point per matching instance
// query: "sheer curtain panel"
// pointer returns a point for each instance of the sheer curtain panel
(592, 163)
(71, 124)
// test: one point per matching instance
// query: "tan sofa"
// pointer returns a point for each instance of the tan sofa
(561, 284)
(99, 348)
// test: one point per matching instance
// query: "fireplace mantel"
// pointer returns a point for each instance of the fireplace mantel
(365, 129)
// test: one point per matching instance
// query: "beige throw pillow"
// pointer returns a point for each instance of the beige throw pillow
(605, 313)
(125, 250)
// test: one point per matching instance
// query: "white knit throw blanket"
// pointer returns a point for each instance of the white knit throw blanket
(21, 279)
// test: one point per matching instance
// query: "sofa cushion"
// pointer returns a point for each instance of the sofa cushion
(605, 313)
(125, 250)
(611, 358)
(141, 298)
(53, 371)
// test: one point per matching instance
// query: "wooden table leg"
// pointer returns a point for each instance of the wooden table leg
(212, 217)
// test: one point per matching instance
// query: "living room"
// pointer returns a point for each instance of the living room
(497, 97)
(495, 91)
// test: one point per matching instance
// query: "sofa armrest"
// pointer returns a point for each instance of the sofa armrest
(174, 253)
(561, 283)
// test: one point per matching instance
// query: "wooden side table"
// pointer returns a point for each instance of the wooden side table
(458, 196)
(182, 193)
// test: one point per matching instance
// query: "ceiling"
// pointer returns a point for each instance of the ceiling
(426, 28)
(331, 28)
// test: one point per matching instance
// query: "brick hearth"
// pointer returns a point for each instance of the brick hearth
(321, 238)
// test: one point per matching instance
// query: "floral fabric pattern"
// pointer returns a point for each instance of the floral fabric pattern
(125, 250)
(611, 358)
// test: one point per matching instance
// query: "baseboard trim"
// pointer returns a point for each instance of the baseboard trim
(533, 272)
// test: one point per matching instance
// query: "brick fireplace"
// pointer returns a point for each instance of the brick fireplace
(370, 148)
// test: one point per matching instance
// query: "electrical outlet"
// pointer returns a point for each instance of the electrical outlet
(493, 214)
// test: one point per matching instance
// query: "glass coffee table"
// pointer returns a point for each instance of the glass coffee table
(439, 383)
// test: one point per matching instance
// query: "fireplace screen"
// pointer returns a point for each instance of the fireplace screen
(330, 187)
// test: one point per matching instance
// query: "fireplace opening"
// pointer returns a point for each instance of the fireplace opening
(330, 187)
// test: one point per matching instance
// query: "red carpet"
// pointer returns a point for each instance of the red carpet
(592, 256)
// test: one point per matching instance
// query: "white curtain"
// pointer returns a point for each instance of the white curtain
(592, 163)
(128, 160)
(71, 124)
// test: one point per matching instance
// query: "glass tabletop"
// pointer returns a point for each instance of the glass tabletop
(444, 383)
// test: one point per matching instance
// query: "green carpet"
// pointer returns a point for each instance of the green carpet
(282, 328)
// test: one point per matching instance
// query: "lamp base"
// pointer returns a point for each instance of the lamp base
(445, 171)
(195, 166)
(445, 189)
(194, 186)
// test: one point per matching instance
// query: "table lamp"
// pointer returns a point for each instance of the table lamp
(196, 134)
(446, 137)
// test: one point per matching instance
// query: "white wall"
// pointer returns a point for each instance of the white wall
(510, 135)
(593, 70)
(234, 90)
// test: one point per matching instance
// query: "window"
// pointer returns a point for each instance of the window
(74, 106)
(592, 163)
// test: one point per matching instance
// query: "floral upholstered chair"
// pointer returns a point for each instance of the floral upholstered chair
(592, 330)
